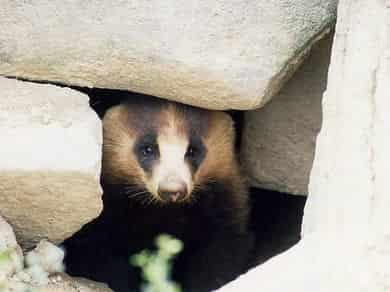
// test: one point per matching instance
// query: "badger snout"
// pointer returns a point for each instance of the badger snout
(172, 190)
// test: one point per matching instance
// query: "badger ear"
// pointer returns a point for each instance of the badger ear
(116, 122)
(219, 162)
(222, 123)
(112, 116)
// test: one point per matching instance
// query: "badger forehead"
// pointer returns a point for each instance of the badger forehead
(152, 115)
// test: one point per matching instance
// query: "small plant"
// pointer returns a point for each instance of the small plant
(156, 265)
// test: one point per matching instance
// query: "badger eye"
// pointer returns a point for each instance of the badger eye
(191, 151)
(147, 150)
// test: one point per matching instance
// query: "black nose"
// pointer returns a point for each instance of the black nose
(172, 191)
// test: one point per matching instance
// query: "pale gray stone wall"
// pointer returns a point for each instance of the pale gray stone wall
(278, 140)
(217, 54)
(345, 245)
(50, 158)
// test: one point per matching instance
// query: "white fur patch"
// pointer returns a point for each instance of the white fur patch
(172, 165)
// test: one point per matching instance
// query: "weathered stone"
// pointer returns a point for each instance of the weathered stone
(7, 236)
(64, 283)
(218, 54)
(346, 238)
(279, 139)
(14, 277)
(11, 257)
(45, 259)
(50, 161)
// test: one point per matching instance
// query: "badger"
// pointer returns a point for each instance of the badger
(168, 168)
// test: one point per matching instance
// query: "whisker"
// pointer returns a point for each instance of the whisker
(150, 201)
(131, 188)
(95, 102)
(144, 199)
(137, 194)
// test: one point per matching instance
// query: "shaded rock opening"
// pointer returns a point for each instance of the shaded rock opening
(276, 220)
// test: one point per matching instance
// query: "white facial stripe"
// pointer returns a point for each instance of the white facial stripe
(172, 164)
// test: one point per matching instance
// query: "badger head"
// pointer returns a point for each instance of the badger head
(164, 152)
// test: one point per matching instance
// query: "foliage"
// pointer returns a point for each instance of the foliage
(5, 256)
(156, 265)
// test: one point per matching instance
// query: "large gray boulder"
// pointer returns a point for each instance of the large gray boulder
(212, 53)
(346, 237)
(50, 158)
(278, 140)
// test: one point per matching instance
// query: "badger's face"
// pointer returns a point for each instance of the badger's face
(162, 151)
(169, 152)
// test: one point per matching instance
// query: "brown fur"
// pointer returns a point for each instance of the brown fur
(221, 259)
(119, 163)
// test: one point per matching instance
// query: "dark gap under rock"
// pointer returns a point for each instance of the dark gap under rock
(276, 220)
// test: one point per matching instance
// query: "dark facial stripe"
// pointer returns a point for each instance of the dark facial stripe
(196, 123)
(196, 153)
(143, 113)
(195, 119)
(147, 152)
(144, 117)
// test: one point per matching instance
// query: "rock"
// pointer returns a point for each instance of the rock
(46, 255)
(58, 283)
(45, 259)
(278, 140)
(11, 256)
(50, 161)
(346, 239)
(217, 54)
(7, 236)
(303, 269)
(64, 283)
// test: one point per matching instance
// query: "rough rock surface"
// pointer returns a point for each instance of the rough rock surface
(218, 54)
(64, 283)
(50, 161)
(11, 257)
(44, 260)
(278, 140)
(346, 237)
